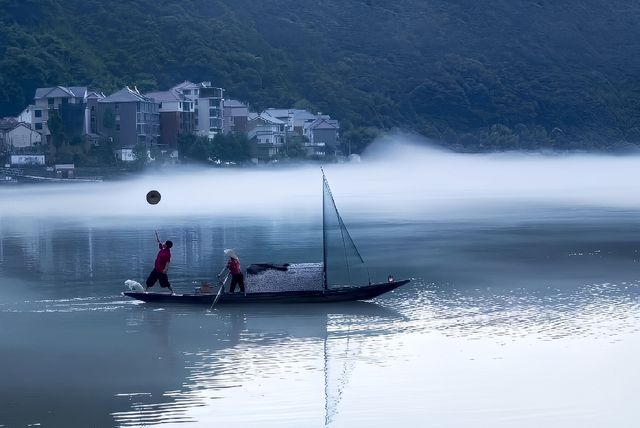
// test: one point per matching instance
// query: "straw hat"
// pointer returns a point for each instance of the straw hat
(229, 252)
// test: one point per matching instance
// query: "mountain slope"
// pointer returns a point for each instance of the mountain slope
(499, 74)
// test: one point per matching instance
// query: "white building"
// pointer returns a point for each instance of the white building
(27, 115)
(295, 119)
(68, 101)
(208, 105)
(22, 137)
(27, 159)
(267, 135)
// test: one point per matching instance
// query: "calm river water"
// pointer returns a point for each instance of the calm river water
(518, 314)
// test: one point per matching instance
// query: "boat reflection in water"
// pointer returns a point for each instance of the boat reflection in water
(280, 362)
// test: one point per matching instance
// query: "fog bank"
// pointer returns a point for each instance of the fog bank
(397, 178)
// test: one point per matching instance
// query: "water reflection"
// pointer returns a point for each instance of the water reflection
(232, 348)
(486, 299)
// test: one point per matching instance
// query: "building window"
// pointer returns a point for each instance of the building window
(116, 106)
(117, 118)
(37, 113)
(137, 106)
(38, 126)
(65, 101)
(117, 126)
(50, 101)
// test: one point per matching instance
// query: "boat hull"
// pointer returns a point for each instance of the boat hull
(347, 294)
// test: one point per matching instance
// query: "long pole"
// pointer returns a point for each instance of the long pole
(324, 232)
(219, 292)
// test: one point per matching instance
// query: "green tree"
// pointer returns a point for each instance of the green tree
(295, 147)
(109, 119)
(234, 147)
(56, 128)
(140, 154)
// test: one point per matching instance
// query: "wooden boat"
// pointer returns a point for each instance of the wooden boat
(334, 295)
(303, 283)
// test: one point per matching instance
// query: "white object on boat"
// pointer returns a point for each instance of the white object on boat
(134, 285)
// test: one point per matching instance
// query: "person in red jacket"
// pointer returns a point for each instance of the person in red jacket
(233, 265)
(161, 267)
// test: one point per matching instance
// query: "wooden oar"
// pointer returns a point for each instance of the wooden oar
(219, 292)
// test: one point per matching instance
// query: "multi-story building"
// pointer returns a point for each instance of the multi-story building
(300, 118)
(177, 116)
(322, 135)
(235, 117)
(69, 102)
(267, 135)
(128, 118)
(283, 114)
(91, 113)
(208, 106)
(320, 131)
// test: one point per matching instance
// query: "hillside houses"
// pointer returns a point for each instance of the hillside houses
(127, 118)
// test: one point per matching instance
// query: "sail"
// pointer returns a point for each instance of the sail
(343, 264)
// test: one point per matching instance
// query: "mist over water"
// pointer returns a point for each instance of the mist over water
(523, 304)
(398, 178)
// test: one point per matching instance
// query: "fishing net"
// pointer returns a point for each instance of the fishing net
(344, 264)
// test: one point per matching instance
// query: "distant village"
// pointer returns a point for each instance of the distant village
(130, 123)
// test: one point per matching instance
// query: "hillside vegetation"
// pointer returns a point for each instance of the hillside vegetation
(475, 75)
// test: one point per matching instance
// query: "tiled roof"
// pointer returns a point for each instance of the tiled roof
(278, 112)
(93, 94)
(271, 119)
(26, 125)
(125, 95)
(61, 92)
(324, 124)
(185, 85)
(234, 103)
(303, 115)
(165, 96)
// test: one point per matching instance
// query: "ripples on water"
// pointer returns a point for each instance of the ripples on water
(600, 310)
(273, 346)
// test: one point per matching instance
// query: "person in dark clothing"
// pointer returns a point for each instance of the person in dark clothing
(161, 267)
(233, 265)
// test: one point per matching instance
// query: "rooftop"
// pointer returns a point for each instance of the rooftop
(61, 92)
(125, 95)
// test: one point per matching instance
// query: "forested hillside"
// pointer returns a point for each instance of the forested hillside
(476, 75)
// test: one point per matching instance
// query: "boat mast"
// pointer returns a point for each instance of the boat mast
(324, 232)
(343, 231)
